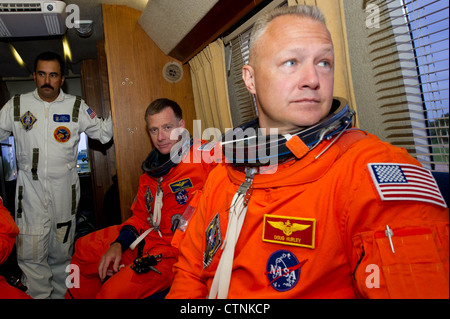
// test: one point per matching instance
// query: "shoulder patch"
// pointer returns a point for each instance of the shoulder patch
(28, 120)
(91, 113)
(406, 182)
(213, 240)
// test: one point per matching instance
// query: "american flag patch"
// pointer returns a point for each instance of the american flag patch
(405, 182)
(91, 113)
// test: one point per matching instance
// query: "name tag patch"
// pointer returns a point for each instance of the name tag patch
(181, 185)
(288, 230)
(62, 118)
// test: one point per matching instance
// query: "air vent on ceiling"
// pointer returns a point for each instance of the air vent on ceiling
(20, 7)
(27, 18)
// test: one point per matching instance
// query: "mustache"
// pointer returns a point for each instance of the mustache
(47, 86)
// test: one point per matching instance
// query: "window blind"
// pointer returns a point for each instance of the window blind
(411, 45)
(242, 103)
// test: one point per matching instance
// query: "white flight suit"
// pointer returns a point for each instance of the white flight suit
(48, 188)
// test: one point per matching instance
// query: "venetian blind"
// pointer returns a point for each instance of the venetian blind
(411, 45)
(242, 103)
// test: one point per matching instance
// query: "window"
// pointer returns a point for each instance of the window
(242, 103)
(399, 68)
(83, 166)
(418, 61)
(427, 22)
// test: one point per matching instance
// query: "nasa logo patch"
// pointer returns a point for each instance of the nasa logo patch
(182, 197)
(283, 270)
(61, 134)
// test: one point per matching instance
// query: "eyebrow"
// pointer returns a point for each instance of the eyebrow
(40, 71)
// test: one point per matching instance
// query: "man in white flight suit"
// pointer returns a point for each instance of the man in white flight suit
(46, 124)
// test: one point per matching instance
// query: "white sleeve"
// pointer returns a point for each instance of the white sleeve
(6, 120)
(94, 126)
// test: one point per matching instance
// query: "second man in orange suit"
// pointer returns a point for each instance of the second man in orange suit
(134, 260)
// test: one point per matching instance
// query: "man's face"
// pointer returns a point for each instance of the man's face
(48, 79)
(160, 126)
(292, 74)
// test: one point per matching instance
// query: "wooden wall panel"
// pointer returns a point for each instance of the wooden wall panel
(135, 66)
(94, 75)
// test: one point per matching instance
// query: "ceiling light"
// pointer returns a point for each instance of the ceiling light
(66, 48)
(17, 56)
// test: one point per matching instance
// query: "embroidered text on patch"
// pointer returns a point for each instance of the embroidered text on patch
(289, 230)
(283, 270)
(405, 182)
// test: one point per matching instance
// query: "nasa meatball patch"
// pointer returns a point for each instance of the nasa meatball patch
(283, 270)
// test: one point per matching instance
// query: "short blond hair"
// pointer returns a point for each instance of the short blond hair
(261, 24)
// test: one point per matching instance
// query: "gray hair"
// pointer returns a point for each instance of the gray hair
(261, 24)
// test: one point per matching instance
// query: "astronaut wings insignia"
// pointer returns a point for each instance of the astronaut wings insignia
(287, 228)
(181, 185)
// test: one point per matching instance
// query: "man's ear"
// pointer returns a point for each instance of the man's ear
(182, 123)
(249, 79)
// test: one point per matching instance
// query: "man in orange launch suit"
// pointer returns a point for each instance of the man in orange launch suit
(341, 214)
(174, 170)
(8, 233)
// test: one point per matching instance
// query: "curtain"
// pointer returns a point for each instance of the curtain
(210, 87)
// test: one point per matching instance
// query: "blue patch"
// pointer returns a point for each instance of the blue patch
(148, 196)
(283, 270)
(181, 185)
(213, 240)
(182, 197)
(28, 120)
(62, 118)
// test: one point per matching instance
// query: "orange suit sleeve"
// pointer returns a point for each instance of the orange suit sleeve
(8, 233)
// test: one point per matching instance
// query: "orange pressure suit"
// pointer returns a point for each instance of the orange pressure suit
(8, 233)
(178, 185)
(322, 228)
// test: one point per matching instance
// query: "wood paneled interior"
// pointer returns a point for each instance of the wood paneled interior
(94, 80)
(224, 15)
(135, 66)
